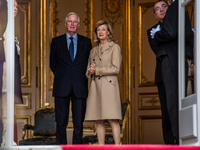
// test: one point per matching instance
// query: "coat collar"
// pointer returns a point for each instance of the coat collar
(105, 47)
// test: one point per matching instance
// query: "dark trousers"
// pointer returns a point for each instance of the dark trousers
(62, 115)
(1, 111)
(168, 94)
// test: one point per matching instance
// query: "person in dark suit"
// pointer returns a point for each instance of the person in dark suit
(68, 62)
(17, 77)
(3, 25)
(17, 84)
(163, 39)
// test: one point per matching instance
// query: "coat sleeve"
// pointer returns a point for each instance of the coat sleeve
(153, 44)
(88, 75)
(115, 64)
(53, 56)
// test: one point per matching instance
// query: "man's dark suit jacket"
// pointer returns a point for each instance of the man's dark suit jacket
(158, 51)
(168, 37)
(68, 74)
(17, 84)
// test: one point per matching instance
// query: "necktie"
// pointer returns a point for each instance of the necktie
(71, 49)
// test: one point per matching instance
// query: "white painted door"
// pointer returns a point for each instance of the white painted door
(189, 105)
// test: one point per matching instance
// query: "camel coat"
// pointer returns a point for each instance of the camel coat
(104, 98)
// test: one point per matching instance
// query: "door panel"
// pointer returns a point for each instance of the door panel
(27, 34)
(146, 105)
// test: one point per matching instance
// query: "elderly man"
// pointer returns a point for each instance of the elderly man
(68, 61)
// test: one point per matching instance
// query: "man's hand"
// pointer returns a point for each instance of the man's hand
(154, 30)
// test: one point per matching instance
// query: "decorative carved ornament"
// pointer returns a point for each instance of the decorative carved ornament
(112, 10)
(88, 18)
(56, 20)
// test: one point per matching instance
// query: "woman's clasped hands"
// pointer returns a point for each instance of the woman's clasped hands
(92, 68)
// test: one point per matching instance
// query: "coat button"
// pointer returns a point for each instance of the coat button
(110, 81)
(99, 78)
(100, 59)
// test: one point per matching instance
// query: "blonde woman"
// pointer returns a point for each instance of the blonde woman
(104, 98)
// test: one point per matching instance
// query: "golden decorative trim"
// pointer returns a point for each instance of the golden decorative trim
(26, 102)
(28, 118)
(140, 119)
(25, 31)
(43, 54)
(89, 20)
(146, 82)
(112, 10)
(142, 9)
(56, 20)
(148, 101)
(128, 64)
(125, 124)
(51, 32)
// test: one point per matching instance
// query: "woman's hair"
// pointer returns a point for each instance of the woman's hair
(99, 23)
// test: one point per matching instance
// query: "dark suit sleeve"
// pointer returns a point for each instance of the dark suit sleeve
(189, 45)
(90, 47)
(170, 25)
(53, 56)
(189, 37)
(153, 44)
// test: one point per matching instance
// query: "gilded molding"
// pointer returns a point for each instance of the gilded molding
(56, 20)
(89, 20)
(148, 101)
(127, 40)
(26, 102)
(142, 9)
(43, 54)
(112, 10)
(24, 31)
(27, 118)
(53, 31)
(145, 81)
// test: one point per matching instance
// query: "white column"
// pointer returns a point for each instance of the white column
(9, 135)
